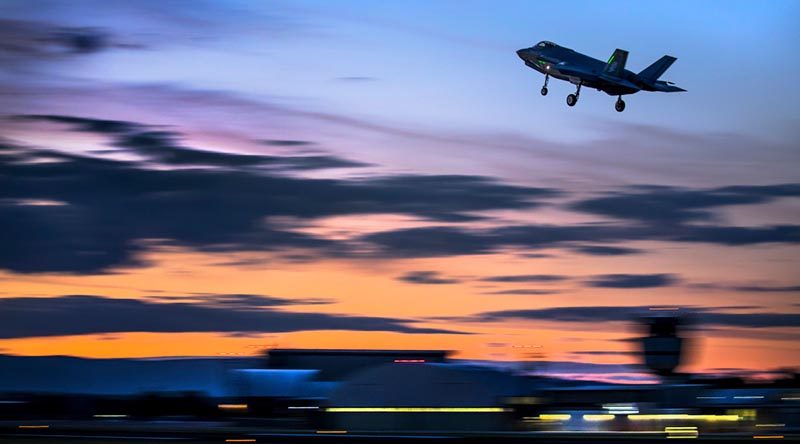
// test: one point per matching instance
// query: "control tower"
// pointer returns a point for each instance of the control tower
(663, 346)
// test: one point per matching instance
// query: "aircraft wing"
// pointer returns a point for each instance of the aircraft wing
(617, 81)
(594, 76)
(576, 71)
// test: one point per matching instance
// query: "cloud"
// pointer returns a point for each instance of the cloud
(702, 316)
(24, 41)
(566, 314)
(436, 241)
(426, 277)
(749, 333)
(671, 205)
(768, 289)
(112, 209)
(632, 280)
(171, 194)
(737, 236)
(79, 315)
(516, 278)
(285, 142)
(238, 300)
(357, 79)
(604, 250)
(164, 147)
(524, 292)
(752, 320)
(747, 288)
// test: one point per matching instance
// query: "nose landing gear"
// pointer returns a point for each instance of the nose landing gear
(572, 99)
(620, 105)
(544, 88)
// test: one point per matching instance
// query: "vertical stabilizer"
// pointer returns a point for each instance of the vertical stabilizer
(616, 64)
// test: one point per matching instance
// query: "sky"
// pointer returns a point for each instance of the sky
(215, 178)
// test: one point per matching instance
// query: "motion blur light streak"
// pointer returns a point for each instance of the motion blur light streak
(598, 417)
(416, 409)
(555, 417)
(232, 406)
(621, 409)
(683, 416)
(681, 432)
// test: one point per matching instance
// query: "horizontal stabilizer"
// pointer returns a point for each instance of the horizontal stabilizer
(663, 86)
(654, 71)
(616, 64)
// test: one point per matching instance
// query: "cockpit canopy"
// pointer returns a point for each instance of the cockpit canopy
(546, 44)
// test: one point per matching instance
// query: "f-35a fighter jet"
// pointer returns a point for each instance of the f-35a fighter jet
(611, 77)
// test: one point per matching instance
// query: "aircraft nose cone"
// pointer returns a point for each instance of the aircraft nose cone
(524, 53)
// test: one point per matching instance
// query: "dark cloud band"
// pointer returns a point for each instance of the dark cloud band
(80, 315)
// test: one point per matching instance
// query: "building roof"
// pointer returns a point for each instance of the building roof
(427, 385)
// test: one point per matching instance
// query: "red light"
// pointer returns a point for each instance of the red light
(409, 361)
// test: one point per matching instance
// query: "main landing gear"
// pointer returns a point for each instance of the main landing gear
(620, 105)
(544, 88)
(572, 99)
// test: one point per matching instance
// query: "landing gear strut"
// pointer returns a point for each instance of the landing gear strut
(620, 105)
(572, 99)
(544, 88)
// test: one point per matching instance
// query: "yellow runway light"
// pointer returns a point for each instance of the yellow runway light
(555, 417)
(600, 417)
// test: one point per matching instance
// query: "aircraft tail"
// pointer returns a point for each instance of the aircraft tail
(616, 64)
(654, 71)
(649, 76)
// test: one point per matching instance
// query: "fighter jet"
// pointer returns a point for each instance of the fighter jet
(582, 70)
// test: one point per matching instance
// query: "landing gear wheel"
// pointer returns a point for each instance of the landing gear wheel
(572, 99)
(544, 91)
(620, 105)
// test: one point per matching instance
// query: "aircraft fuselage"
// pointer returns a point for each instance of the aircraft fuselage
(548, 60)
